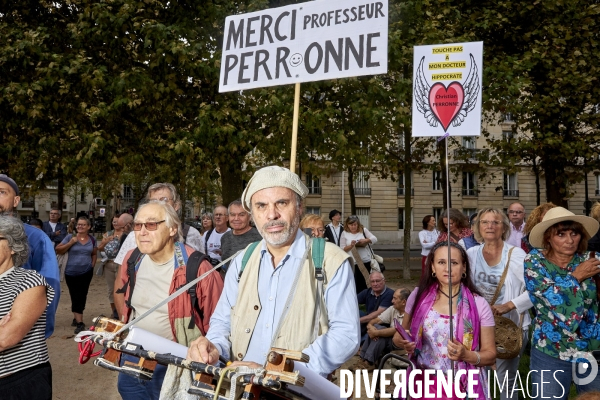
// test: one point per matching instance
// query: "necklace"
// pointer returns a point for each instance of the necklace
(442, 292)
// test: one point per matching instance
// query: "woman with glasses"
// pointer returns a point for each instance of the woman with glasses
(488, 263)
(82, 252)
(315, 223)
(356, 236)
(25, 371)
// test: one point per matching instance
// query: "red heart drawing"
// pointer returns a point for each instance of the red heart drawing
(445, 102)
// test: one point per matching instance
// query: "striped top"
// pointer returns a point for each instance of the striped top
(32, 349)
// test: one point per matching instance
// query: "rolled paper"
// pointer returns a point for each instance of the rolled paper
(315, 386)
(151, 342)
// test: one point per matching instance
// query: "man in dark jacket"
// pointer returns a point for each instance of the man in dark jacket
(55, 229)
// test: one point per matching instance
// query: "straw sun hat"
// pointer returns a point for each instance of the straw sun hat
(556, 215)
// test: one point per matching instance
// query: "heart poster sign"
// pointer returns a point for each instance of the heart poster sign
(447, 89)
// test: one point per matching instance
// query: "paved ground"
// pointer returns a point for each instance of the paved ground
(74, 381)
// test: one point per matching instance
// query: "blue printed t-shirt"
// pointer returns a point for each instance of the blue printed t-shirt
(80, 257)
(566, 319)
(368, 298)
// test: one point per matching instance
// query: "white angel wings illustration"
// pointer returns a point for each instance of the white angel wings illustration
(422, 90)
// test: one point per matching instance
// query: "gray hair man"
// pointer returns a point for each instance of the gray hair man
(158, 271)
(250, 310)
(42, 258)
(168, 193)
(516, 215)
(55, 229)
(241, 233)
(212, 237)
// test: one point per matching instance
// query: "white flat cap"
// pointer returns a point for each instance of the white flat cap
(273, 176)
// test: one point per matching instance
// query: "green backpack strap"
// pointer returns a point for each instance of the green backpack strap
(318, 255)
(249, 250)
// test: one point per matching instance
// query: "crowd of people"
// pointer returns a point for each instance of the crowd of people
(541, 274)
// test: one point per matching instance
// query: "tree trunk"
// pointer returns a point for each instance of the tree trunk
(536, 171)
(61, 190)
(407, 207)
(182, 192)
(351, 191)
(231, 181)
(556, 183)
(446, 188)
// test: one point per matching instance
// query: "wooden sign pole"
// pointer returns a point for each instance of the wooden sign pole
(295, 128)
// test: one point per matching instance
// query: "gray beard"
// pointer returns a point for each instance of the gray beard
(282, 237)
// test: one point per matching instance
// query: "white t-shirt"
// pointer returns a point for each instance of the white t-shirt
(152, 283)
(53, 225)
(387, 317)
(214, 243)
(486, 278)
(363, 252)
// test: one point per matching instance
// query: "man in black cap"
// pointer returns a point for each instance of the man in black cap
(333, 230)
(42, 258)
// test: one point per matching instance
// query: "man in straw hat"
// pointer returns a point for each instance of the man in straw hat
(273, 300)
(562, 280)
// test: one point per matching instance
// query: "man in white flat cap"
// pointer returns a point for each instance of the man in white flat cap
(274, 300)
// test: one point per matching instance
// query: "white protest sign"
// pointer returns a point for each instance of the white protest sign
(303, 43)
(447, 89)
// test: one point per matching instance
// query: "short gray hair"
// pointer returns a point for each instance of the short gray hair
(168, 186)
(237, 202)
(171, 218)
(12, 229)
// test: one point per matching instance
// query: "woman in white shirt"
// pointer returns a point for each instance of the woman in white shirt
(488, 262)
(428, 236)
(356, 235)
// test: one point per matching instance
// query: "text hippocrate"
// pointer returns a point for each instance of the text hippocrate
(306, 42)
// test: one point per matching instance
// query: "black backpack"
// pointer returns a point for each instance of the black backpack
(191, 273)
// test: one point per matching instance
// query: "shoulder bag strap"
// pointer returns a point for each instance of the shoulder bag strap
(361, 266)
(502, 279)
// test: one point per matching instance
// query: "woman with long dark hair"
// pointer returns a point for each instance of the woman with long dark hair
(456, 223)
(427, 319)
(428, 236)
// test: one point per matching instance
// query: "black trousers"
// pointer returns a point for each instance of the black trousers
(359, 279)
(78, 289)
(31, 383)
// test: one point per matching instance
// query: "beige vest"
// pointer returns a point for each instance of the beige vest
(297, 326)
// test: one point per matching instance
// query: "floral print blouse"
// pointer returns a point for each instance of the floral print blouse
(566, 320)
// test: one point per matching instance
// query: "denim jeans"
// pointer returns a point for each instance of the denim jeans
(132, 388)
(552, 377)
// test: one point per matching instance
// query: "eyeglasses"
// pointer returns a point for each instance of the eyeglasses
(220, 215)
(488, 223)
(150, 226)
(515, 212)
